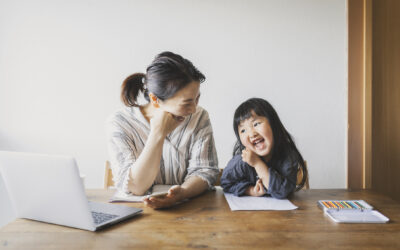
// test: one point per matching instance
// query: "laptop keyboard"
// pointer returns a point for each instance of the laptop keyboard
(102, 217)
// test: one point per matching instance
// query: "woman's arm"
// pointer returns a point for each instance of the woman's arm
(147, 165)
(192, 187)
(202, 169)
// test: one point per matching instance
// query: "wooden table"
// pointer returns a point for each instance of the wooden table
(207, 222)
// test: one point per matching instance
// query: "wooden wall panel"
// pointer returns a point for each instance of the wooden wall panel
(355, 93)
(386, 97)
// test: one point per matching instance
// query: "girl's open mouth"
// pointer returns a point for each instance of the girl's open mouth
(259, 143)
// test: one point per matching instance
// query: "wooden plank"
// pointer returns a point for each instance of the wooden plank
(386, 98)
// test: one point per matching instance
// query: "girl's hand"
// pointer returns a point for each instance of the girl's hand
(175, 194)
(163, 122)
(250, 157)
(256, 190)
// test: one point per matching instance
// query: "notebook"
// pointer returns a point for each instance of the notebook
(351, 211)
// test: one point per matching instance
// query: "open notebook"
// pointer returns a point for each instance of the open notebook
(123, 197)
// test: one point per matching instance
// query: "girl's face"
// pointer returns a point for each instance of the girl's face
(256, 134)
(184, 102)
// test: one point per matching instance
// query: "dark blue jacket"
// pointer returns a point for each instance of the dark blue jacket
(238, 175)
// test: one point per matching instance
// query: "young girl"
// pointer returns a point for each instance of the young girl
(265, 159)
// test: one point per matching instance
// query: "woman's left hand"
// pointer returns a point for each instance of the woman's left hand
(175, 194)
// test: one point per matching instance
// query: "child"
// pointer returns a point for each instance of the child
(265, 159)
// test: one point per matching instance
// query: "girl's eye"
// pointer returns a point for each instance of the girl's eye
(256, 124)
(242, 131)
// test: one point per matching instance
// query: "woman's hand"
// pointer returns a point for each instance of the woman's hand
(256, 190)
(163, 122)
(250, 157)
(175, 194)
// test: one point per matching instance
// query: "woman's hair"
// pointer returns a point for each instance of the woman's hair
(166, 75)
(283, 142)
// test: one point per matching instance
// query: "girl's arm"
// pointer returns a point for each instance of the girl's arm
(284, 183)
(236, 177)
(259, 165)
(278, 185)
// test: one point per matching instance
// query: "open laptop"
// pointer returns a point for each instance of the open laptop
(49, 189)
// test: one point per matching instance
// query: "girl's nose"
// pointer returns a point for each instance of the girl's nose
(253, 133)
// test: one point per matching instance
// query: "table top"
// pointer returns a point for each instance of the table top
(207, 222)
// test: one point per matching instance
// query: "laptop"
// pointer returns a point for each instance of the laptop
(49, 189)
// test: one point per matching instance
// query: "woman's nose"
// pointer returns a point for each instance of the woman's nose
(192, 109)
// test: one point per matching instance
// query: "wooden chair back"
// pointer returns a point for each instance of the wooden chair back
(218, 182)
(300, 178)
(108, 177)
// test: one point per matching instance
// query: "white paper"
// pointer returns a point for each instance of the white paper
(122, 197)
(257, 203)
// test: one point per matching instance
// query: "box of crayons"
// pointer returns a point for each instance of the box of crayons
(351, 211)
(344, 204)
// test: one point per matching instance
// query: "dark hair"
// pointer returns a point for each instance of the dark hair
(283, 142)
(166, 75)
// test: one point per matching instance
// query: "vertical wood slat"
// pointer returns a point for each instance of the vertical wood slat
(355, 93)
(367, 152)
(386, 98)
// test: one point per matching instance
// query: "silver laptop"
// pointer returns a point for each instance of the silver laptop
(49, 189)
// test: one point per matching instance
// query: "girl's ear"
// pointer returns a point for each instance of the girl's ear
(154, 100)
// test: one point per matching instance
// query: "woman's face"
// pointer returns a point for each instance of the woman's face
(184, 102)
(256, 134)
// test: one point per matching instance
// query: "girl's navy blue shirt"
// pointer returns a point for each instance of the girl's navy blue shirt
(238, 175)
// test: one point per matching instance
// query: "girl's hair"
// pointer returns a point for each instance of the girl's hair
(166, 75)
(283, 142)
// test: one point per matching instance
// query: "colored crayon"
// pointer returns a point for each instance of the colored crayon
(347, 204)
(361, 206)
(326, 204)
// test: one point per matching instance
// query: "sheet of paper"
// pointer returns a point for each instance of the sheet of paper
(257, 203)
(122, 197)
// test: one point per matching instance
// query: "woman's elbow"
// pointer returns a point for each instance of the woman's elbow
(136, 189)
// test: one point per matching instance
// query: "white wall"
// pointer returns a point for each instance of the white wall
(62, 64)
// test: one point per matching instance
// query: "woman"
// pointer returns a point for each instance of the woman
(169, 140)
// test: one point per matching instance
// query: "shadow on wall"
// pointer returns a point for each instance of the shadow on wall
(6, 210)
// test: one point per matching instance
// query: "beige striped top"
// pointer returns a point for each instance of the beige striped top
(188, 151)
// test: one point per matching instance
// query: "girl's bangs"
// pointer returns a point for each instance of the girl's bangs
(243, 113)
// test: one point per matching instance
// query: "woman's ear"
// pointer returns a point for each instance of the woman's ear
(154, 100)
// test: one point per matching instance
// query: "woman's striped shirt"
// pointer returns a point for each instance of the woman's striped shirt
(188, 151)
